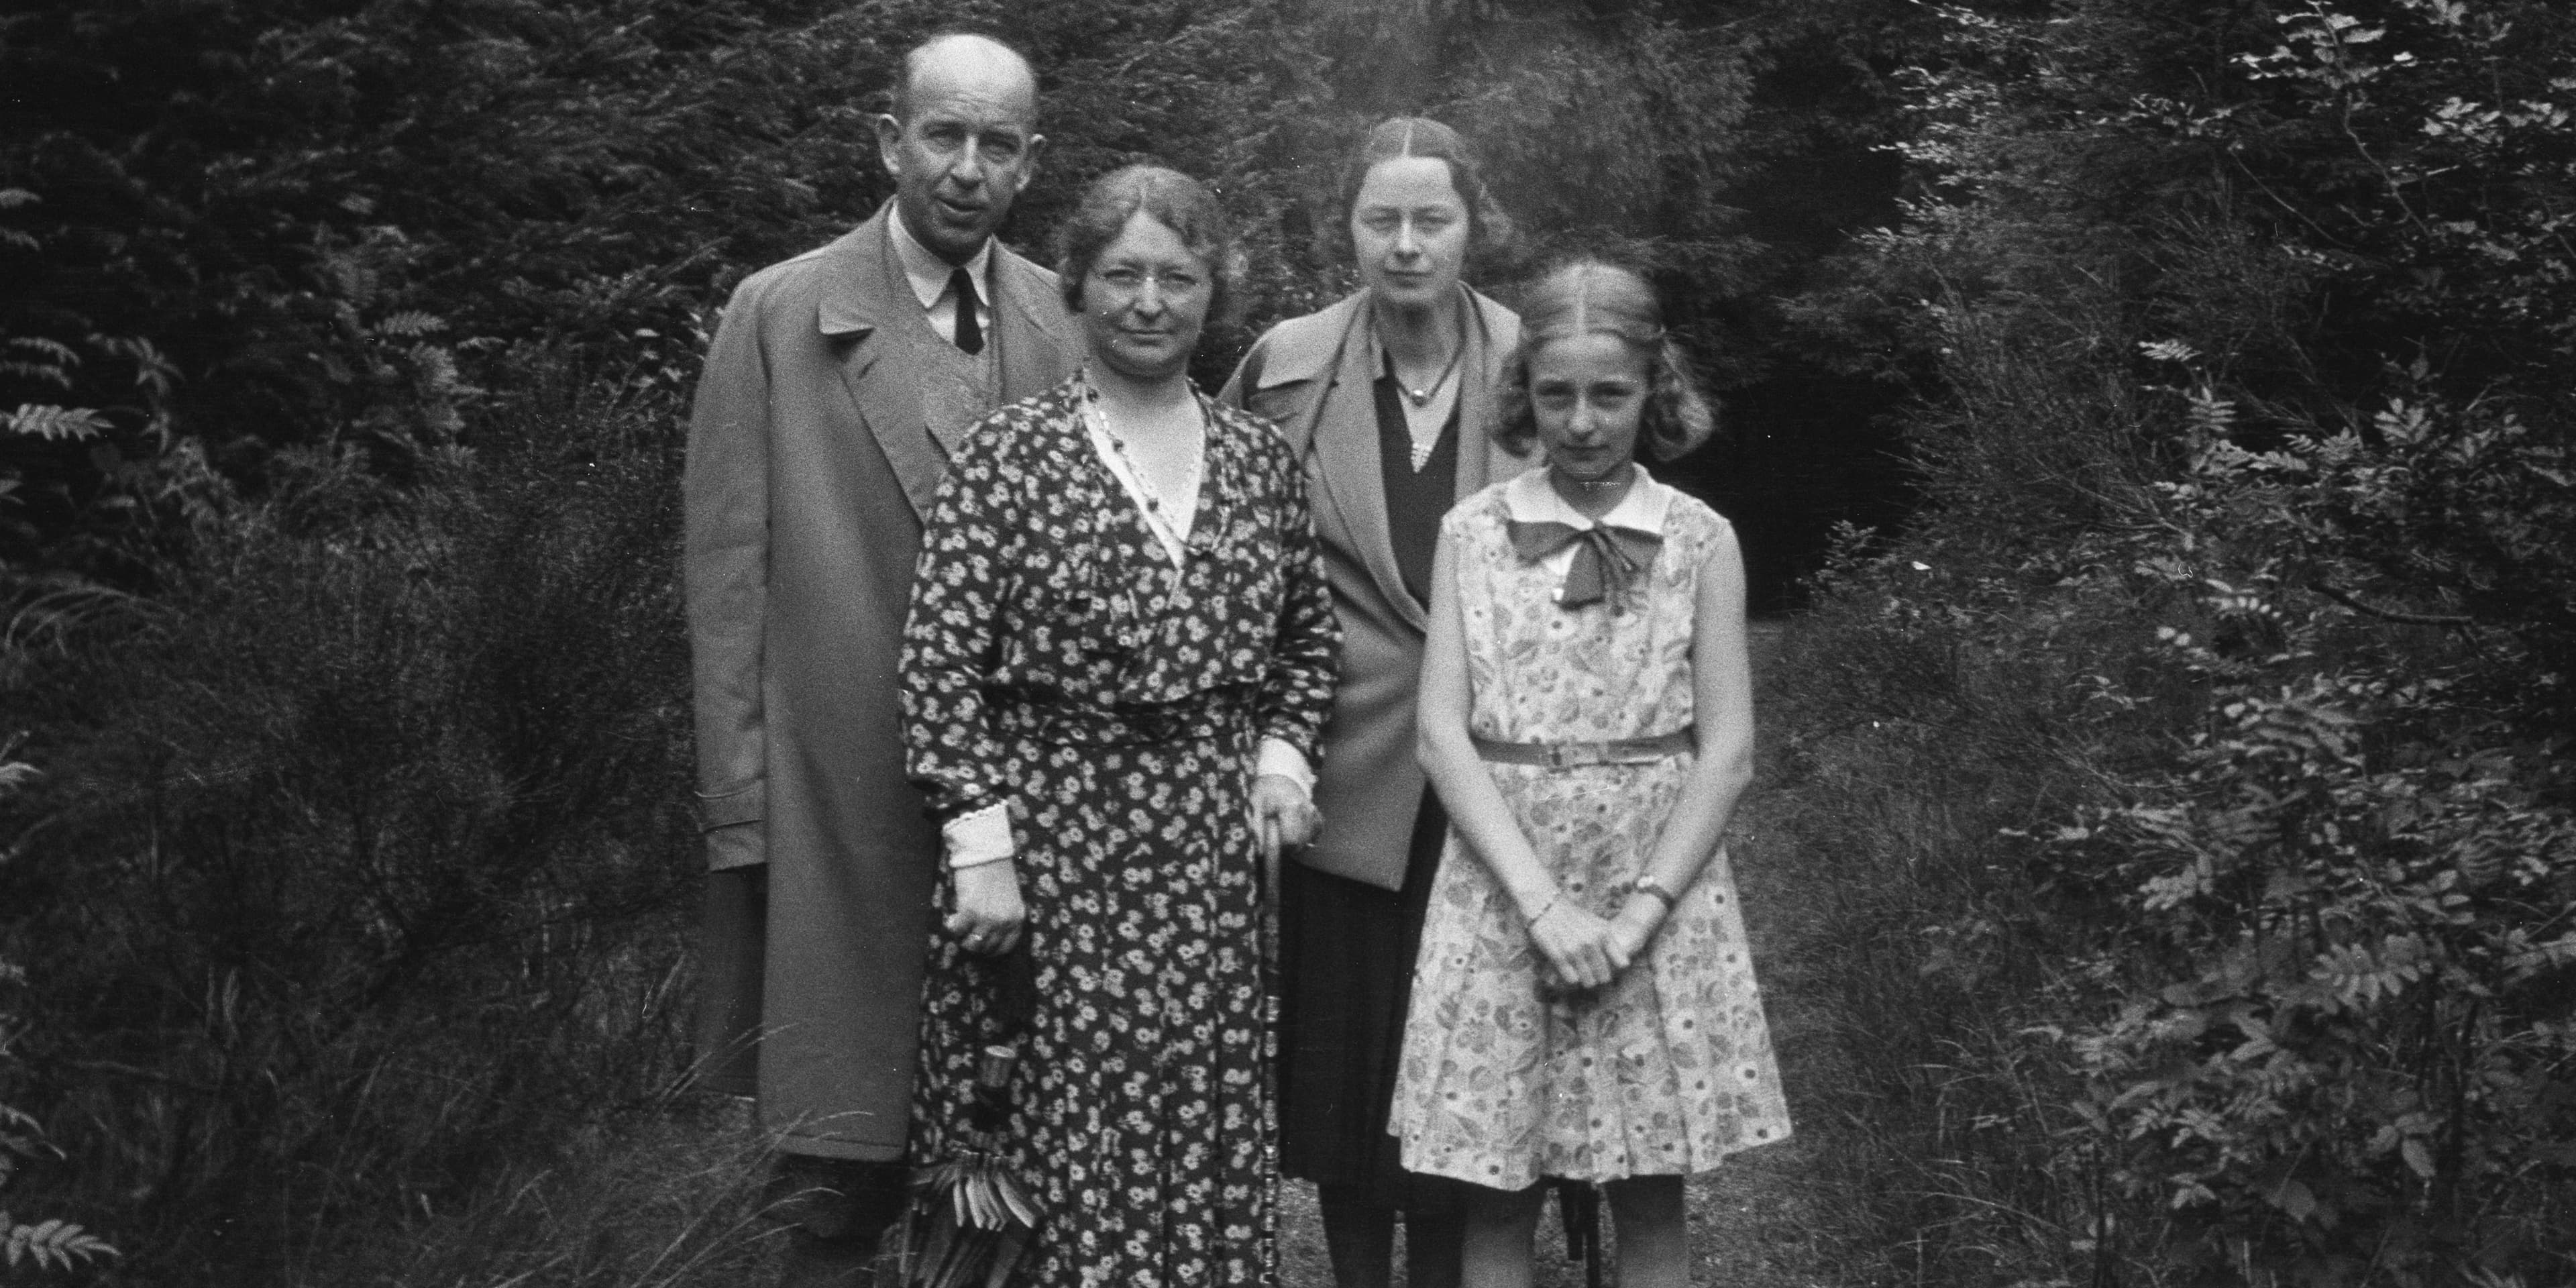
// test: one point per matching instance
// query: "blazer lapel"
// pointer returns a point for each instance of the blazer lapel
(1352, 470)
(1492, 333)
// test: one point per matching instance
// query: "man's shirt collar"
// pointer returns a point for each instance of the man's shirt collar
(928, 273)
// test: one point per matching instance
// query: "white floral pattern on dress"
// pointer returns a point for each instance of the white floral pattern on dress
(1057, 661)
(1669, 1069)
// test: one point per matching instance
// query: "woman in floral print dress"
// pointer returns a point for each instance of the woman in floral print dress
(1118, 659)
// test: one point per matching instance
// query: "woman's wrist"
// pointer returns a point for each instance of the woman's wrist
(978, 837)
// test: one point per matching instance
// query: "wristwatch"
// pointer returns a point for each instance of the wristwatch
(1647, 884)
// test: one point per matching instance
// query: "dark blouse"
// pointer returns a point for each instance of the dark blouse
(1415, 499)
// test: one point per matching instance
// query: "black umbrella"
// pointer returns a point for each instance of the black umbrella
(971, 1216)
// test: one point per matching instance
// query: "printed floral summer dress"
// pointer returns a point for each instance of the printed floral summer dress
(1669, 1069)
(1058, 660)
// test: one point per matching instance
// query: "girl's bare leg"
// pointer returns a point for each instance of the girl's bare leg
(1654, 1243)
(1495, 1252)
(1431, 1248)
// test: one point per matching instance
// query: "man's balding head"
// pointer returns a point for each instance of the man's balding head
(962, 140)
(966, 53)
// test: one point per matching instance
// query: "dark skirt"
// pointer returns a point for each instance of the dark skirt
(1347, 948)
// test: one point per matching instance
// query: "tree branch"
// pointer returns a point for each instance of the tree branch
(2389, 614)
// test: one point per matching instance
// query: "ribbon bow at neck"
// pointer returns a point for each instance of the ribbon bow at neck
(1607, 559)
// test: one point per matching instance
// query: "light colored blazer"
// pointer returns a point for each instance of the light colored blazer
(810, 464)
(1313, 377)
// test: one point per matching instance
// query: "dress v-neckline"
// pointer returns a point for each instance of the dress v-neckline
(1138, 517)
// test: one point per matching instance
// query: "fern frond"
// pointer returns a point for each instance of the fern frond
(51, 1245)
(411, 322)
(47, 421)
(54, 349)
(50, 373)
(152, 370)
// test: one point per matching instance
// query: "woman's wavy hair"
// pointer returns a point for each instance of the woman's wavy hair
(1492, 242)
(1176, 201)
(1594, 297)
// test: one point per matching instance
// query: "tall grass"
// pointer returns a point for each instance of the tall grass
(673, 1201)
(1944, 700)
(1905, 751)
(352, 881)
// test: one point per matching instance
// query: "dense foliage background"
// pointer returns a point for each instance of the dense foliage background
(2175, 732)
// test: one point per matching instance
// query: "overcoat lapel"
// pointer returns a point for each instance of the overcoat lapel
(862, 311)
(1035, 352)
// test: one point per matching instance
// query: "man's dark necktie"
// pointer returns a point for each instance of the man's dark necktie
(970, 333)
(1606, 559)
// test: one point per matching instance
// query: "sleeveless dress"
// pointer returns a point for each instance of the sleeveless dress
(1669, 1069)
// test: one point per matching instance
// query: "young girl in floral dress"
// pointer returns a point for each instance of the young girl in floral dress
(1583, 1003)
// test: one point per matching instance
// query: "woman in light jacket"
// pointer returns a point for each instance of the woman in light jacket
(1387, 397)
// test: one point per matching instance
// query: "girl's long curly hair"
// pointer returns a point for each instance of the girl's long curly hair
(1590, 296)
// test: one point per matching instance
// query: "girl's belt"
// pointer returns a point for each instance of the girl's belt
(1566, 755)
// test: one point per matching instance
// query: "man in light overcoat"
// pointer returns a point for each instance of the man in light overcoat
(839, 384)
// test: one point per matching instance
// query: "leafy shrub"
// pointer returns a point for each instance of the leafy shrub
(2347, 1061)
(49, 1242)
(357, 866)
(2250, 451)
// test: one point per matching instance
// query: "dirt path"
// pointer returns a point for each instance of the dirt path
(1767, 1220)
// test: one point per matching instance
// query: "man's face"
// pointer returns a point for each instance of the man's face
(967, 147)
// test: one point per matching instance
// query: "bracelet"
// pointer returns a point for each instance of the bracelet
(1647, 884)
(1547, 907)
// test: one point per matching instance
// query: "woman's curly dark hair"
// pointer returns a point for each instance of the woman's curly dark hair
(1492, 243)
(1174, 200)
(1594, 297)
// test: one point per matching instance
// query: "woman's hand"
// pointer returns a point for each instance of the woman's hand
(1581, 950)
(1282, 817)
(989, 912)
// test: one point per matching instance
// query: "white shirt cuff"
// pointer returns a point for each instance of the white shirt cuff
(1280, 756)
(983, 836)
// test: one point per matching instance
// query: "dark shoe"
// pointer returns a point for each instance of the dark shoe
(828, 1263)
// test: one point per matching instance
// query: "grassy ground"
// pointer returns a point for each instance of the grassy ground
(1782, 1216)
